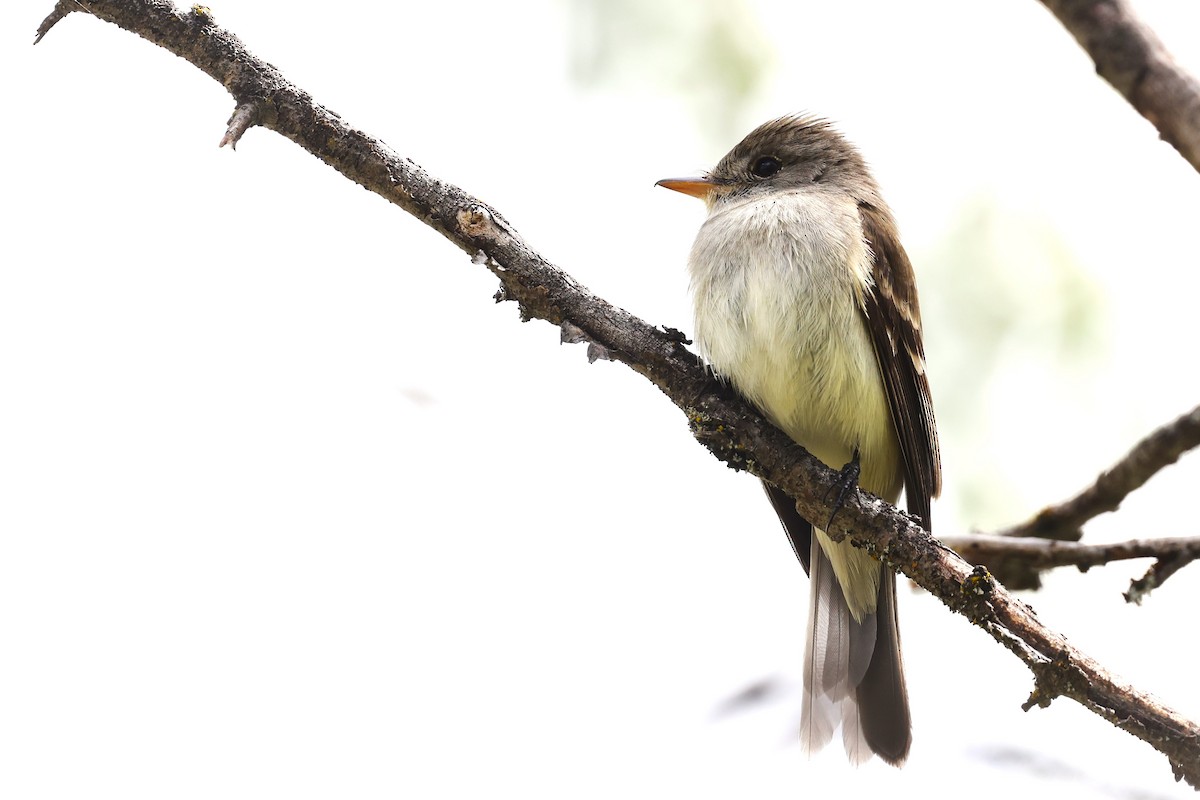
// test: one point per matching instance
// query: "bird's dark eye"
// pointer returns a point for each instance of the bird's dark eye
(765, 167)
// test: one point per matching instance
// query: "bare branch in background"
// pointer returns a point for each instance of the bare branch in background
(1018, 563)
(1158, 573)
(1160, 449)
(733, 431)
(1132, 58)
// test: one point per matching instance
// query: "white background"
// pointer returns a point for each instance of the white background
(290, 508)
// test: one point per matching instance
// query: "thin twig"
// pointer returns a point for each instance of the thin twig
(61, 9)
(1019, 562)
(733, 431)
(1160, 449)
(1155, 576)
(1137, 64)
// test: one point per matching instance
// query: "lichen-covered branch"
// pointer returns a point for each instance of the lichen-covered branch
(1132, 58)
(733, 431)
(1160, 449)
(1019, 562)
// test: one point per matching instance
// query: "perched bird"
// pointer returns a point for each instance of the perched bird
(806, 303)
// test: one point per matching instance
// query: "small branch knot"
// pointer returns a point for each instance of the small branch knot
(976, 591)
(245, 116)
(1055, 679)
(476, 221)
(979, 583)
(675, 335)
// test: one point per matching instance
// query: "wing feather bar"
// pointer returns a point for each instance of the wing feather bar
(894, 321)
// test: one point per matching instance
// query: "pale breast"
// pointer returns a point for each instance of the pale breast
(776, 285)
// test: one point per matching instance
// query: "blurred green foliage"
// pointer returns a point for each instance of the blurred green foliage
(712, 54)
(1010, 316)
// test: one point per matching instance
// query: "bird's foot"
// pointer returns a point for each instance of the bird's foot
(846, 483)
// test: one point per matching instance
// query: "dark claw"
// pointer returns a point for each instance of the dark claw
(846, 483)
(713, 384)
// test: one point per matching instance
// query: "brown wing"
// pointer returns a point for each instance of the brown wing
(894, 320)
(797, 528)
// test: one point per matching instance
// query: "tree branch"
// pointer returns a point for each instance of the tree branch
(1156, 576)
(733, 431)
(1018, 562)
(1160, 449)
(1130, 57)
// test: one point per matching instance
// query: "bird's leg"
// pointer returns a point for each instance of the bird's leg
(846, 483)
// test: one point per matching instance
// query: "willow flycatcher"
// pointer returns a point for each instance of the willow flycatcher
(807, 304)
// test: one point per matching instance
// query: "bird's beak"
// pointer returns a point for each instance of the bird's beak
(696, 187)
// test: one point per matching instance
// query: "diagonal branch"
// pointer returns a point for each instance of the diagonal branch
(1134, 60)
(733, 431)
(1160, 449)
